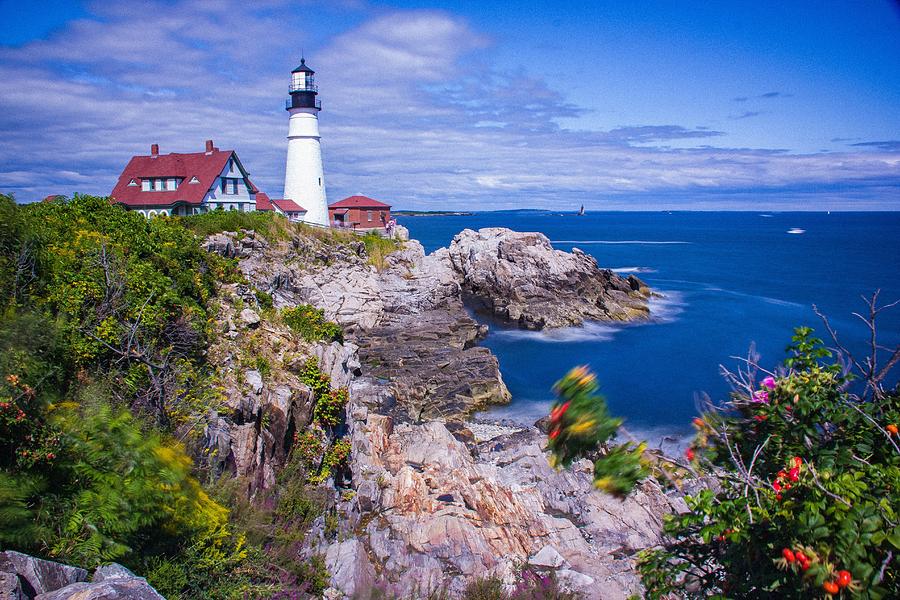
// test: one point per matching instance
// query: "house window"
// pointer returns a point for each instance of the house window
(171, 184)
(369, 216)
(145, 185)
(132, 182)
(229, 186)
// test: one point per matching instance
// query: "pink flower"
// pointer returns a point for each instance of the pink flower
(761, 396)
(769, 382)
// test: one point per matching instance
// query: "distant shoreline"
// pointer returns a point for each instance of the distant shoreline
(431, 213)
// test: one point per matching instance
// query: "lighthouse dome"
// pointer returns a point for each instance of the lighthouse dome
(303, 68)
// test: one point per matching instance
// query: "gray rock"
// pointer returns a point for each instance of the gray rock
(250, 318)
(10, 588)
(351, 571)
(254, 380)
(548, 557)
(520, 278)
(112, 571)
(39, 576)
(133, 588)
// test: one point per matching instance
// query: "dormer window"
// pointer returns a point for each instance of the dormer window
(194, 180)
(132, 183)
(159, 184)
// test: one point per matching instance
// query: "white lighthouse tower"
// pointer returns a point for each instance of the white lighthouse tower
(304, 179)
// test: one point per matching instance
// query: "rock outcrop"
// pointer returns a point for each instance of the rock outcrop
(436, 513)
(521, 279)
(24, 577)
(436, 501)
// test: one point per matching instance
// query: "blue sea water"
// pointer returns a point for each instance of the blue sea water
(730, 279)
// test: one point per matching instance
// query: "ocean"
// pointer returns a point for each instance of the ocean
(729, 280)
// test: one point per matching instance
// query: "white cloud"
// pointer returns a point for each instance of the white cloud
(414, 114)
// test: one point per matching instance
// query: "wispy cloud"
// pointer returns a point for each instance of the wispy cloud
(414, 113)
(746, 114)
(886, 145)
(765, 96)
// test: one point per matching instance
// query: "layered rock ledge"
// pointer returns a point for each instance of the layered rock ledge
(520, 278)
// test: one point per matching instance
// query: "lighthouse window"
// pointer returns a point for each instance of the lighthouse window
(320, 182)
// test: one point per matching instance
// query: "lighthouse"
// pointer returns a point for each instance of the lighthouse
(304, 179)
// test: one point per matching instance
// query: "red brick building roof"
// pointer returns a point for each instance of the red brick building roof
(359, 202)
(205, 167)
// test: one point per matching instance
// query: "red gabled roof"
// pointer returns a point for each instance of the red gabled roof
(206, 167)
(263, 202)
(288, 205)
(359, 202)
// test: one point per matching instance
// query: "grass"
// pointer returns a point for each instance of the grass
(271, 226)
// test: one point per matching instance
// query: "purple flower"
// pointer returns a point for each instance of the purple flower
(769, 382)
(761, 396)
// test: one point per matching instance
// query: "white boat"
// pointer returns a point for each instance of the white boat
(796, 230)
(581, 212)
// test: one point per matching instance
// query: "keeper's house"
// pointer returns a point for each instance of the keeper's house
(359, 212)
(185, 184)
(288, 208)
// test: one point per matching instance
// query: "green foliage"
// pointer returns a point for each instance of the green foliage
(801, 464)
(378, 248)
(310, 323)
(580, 425)
(271, 226)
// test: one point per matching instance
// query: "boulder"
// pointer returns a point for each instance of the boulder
(520, 278)
(250, 318)
(37, 576)
(112, 571)
(10, 588)
(119, 588)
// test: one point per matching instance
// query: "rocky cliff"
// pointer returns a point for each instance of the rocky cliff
(434, 500)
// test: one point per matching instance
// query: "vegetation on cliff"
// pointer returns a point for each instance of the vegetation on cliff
(105, 321)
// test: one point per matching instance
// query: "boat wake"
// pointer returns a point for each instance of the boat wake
(644, 242)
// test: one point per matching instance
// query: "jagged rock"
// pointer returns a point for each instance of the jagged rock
(38, 576)
(351, 571)
(250, 318)
(520, 278)
(112, 571)
(547, 557)
(254, 380)
(129, 588)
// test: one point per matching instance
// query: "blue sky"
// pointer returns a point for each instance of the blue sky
(431, 105)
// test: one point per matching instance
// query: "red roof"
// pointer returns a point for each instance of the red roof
(263, 202)
(359, 202)
(288, 205)
(206, 167)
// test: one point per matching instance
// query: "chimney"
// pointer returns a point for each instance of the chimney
(154, 150)
(209, 147)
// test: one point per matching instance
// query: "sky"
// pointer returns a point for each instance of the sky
(471, 104)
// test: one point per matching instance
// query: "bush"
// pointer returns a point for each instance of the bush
(378, 248)
(807, 495)
(310, 323)
(271, 226)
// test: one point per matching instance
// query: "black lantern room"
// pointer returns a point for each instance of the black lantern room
(303, 88)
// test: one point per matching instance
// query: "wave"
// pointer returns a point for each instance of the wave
(644, 242)
(633, 270)
(664, 308)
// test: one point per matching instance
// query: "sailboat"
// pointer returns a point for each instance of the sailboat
(581, 212)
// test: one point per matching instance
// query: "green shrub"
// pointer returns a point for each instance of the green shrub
(271, 226)
(310, 323)
(378, 248)
(807, 495)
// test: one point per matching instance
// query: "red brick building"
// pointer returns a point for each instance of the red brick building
(359, 212)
